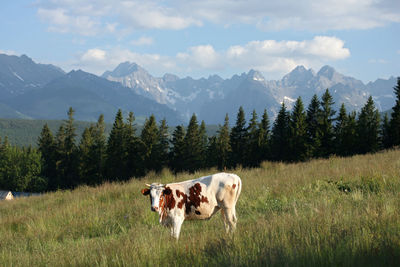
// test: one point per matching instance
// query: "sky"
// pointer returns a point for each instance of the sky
(359, 38)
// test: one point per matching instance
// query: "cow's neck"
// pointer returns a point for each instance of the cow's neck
(162, 209)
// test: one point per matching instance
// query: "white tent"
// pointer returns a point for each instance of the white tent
(7, 195)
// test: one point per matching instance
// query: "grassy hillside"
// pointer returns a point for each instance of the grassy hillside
(334, 212)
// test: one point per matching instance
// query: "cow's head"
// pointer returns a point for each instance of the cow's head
(156, 192)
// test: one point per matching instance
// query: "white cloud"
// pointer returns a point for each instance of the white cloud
(98, 60)
(89, 17)
(292, 14)
(8, 52)
(280, 57)
(94, 55)
(61, 21)
(273, 58)
(153, 15)
(201, 57)
(143, 41)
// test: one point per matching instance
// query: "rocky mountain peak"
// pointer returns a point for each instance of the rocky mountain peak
(327, 71)
(298, 75)
(255, 75)
(124, 69)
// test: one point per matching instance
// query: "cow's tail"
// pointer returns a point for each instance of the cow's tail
(239, 190)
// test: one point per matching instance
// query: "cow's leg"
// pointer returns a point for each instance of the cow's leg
(234, 215)
(230, 219)
(224, 219)
(176, 227)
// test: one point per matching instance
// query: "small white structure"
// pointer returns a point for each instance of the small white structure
(6, 195)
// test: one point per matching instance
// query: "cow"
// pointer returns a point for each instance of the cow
(196, 199)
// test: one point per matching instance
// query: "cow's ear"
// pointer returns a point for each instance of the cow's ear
(145, 191)
(167, 191)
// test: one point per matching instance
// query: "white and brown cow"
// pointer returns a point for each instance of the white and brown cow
(196, 199)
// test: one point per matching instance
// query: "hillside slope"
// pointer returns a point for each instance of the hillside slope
(333, 212)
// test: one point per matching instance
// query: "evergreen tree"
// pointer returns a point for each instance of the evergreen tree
(70, 152)
(135, 150)
(92, 152)
(368, 128)
(116, 150)
(326, 125)
(86, 164)
(149, 137)
(99, 150)
(340, 132)
(253, 151)
(386, 142)
(280, 135)
(223, 147)
(192, 146)
(313, 130)
(177, 154)
(20, 169)
(265, 135)
(298, 133)
(350, 135)
(58, 182)
(162, 147)
(67, 158)
(211, 155)
(395, 120)
(203, 139)
(47, 148)
(238, 139)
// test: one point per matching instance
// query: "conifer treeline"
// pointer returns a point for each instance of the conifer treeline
(299, 135)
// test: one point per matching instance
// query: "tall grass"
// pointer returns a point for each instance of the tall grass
(333, 212)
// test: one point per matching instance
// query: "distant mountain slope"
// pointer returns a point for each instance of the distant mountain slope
(19, 75)
(8, 112)
(90, 96)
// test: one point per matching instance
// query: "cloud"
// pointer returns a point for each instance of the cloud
(98, 60)
(300, 15)
(8, 52)
(61, 21)
(90, 17)
(94, 55)
(143, 41)
(201, 57)
(273, 58)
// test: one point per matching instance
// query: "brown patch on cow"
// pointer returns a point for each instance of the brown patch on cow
(234, 186)
(183, 200)
(195, 198)
(145, 191)
(169, 198)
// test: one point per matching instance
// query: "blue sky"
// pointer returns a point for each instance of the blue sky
(360, 38)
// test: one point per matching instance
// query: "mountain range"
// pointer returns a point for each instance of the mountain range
(38, 91)
(211, 98)
(54, 91)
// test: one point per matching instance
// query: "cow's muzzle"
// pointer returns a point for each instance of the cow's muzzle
(154, 208)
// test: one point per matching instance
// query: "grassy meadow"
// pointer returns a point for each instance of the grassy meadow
(326, 212)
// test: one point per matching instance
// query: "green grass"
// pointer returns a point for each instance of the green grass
(333, 212)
